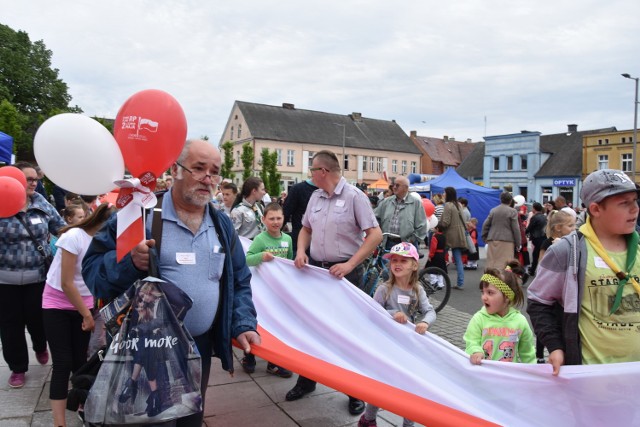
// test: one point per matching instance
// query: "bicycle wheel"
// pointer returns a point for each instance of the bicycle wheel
(370, 281)
(430, 278)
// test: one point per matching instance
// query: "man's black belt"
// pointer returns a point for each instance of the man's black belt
(326, 264)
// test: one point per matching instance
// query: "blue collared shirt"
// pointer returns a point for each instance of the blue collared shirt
(194, 263)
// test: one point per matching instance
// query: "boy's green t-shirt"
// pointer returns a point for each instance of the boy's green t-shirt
(264, 242)
(608, 338)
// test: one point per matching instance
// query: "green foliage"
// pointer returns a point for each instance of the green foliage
(269, 173)
(247, 158)
(28, 82)
(227, 161)
(11, 123)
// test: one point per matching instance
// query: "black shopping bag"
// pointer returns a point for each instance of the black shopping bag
(151, 372)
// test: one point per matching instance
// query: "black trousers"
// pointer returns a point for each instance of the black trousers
(20, 306)
(355, 277)
(68, 344)
(537, 244)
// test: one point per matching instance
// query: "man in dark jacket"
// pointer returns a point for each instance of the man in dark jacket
(200, 253)
(536, 232)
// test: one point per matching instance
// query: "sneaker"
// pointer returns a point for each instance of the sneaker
(16, 380)
(363, 422)
(248, 363)
(541, 361)
(278, 371)
(42, 357)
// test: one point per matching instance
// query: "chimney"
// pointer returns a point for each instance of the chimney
(445, 138)
(413, 134)
(469, 141)
(288, 106)
(356, 117)
(572, 128)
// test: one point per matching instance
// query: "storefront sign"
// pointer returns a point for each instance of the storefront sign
(564, 182)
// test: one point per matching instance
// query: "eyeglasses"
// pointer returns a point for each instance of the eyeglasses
(200, 175)
(399, 185)
(318, 169)
(32, 180)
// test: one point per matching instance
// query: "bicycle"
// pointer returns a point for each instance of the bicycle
(376, 267)
(437, 285)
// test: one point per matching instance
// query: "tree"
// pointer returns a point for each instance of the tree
(11, 122)
(247, 160)
(265, 159)
(274, 175)
(28, 82)
(227, 162)
(269, 173)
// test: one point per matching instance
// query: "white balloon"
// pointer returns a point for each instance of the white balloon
(432, 221)
(78, 154)
(518, 200)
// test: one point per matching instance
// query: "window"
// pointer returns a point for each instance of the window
(603, 161)
(414, 167)
(599, 142)
(345, 162)
(364, 163)
(496, 163)
(627, 162)
(606, 140)
(371, 163)
(231, 133)
(624, 139)
(239, 131)
(523, 163)
(290, 154)
(379, 165)
(238, 158)
(311, 154)
(394, 166)
(279, 154)
(509, 163)
(404, 167)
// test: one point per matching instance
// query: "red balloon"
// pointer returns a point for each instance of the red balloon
(15, 173)
(150, 129)
(428, 206)
(13, 196)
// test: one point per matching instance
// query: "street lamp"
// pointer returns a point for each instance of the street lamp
(344, 130)
(635, 126)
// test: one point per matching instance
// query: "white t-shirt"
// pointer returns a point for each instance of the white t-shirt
(75, 241)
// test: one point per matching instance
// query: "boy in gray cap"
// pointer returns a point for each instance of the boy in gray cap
(584, 300)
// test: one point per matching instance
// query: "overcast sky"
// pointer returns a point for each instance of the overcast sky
(438, 67)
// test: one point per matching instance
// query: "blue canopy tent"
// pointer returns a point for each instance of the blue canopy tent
(6, 148)
(481, 199)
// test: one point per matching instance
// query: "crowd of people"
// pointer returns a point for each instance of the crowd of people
(58, 267)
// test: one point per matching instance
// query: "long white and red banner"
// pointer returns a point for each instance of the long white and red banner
(329, 331)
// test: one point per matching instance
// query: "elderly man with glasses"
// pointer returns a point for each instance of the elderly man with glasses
(403, 215)
(200, 253)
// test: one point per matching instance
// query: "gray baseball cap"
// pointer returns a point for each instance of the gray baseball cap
(604, 183)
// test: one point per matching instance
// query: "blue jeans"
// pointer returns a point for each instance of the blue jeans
(457, 257)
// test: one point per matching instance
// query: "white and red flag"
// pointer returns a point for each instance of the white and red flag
(328, 330)
(135, 195)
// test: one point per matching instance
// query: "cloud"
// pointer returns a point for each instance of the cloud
(524, 65)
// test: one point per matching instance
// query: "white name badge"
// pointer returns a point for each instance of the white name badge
(339, 203)
(599, 262)
(36, 220)
(404, 299)
(284, 244)
(186, 258)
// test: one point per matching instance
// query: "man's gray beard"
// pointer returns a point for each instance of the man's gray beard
(196, 199)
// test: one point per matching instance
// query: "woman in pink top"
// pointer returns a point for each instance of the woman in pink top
(67, 305)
